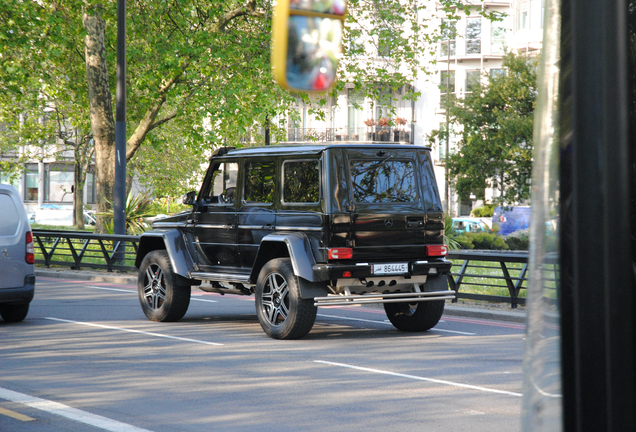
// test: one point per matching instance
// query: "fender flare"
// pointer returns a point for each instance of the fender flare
(302, 259)
(172, 242)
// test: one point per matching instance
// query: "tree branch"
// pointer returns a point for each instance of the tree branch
(248, 9)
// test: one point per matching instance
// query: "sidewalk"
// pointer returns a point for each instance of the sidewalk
(468, 310)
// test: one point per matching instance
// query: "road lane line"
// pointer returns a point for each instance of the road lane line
(112, 289)
(135, 292)
(15, 415)
(453, 331)
(68, 412)
(353, 319)
(133, 331)
(389, 323)
(433, 380)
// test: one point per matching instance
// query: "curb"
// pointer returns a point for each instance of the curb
(450, 310)
(87, 275)
(487, 314)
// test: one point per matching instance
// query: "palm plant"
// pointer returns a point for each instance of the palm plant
(137, 209)
(449, 239)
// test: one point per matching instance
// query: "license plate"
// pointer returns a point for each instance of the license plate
(390, 268)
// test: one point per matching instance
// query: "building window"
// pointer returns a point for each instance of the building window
(522, 15)
(447, 44)
(8, 179)
(498, 36)
(57, 186)
(91, 188)
(31, 186)
(473, 36)
(496, 73)
(385, 42)
(355, 47)
(355, 111)
(447, 81)
(452, 138)
(472, 80)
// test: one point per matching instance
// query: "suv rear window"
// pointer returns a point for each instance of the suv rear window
(383, 181)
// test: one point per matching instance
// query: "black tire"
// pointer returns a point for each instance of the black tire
(162, 293)
(415, 317)
(14, 312)
(282, 313)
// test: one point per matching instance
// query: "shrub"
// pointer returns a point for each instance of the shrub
(485, 211)
(518, 241)
(482, 241)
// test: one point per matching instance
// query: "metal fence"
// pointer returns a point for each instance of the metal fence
(77, 250)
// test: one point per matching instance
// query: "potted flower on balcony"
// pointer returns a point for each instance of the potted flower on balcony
(370, 135)
(385, 130)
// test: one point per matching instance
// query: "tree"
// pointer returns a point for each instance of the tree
(201, 65)
(495, 123)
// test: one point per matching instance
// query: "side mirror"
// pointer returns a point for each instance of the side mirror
(307, 43)
(188, 199)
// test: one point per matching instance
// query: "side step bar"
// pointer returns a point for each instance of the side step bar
(220, 277)
(337, 300)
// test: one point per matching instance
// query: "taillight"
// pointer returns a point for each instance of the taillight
(30, 251)
(436, 250)
(340, 253)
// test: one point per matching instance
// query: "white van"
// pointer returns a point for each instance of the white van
(17, 276)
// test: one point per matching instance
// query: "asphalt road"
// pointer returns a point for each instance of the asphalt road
(87, 359)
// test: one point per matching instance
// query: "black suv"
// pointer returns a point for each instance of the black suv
(302, 227)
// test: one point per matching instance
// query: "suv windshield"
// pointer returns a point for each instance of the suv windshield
(383, 181)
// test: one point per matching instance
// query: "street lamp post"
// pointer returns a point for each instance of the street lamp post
(119, 216)
(119, 210)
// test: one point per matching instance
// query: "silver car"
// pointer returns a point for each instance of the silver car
(17, 277)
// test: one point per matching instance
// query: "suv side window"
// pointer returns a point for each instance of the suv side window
(301, 181)
(383, 181)
(259, 182)
(222, 185)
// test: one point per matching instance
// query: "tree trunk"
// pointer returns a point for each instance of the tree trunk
(101, 111)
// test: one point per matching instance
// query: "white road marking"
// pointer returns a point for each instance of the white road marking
(68, 412)
(134, 331)
(135, 292)
(112, 289)
(449, 383)
(203, 300)
(353, 319)
(453, 331)
(387, 322)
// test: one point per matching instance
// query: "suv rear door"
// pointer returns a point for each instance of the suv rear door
(387, 213)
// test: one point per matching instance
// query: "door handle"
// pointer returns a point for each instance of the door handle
(268, 227)
(414, 223)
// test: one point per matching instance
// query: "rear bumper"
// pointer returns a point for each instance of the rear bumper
(334, 271)
(414, 297)
(23, 294)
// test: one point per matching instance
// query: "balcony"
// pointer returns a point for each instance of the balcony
(401, 134)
